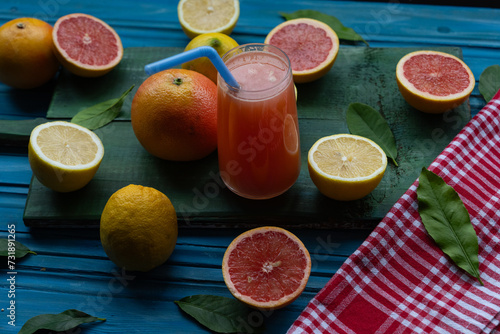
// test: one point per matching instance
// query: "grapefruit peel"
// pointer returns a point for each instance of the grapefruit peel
(280, 264)
(295, 38)
(76, 66)
(426, 101)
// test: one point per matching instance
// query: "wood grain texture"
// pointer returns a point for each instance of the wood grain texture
(360, 74)
(71, 270)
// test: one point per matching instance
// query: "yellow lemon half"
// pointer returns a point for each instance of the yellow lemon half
(64, 156)
(346, 167)
(200, 16)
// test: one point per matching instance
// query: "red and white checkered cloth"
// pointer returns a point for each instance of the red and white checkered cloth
(399, 281)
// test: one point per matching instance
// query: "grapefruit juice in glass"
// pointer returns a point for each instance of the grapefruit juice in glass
(257, 125)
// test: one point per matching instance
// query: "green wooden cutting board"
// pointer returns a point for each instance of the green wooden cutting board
(360, 74)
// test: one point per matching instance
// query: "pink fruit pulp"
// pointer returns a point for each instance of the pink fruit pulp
(267, 266)
(95, 45)
(436, 74)
(305, 45)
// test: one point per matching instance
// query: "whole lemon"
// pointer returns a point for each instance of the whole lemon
(26, 57)
(220, 42)
(138, 228)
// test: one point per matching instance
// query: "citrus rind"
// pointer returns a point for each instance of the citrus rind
(26, 57)
(138, 228)
(341, 188)
(427, 102)
(222, 43)
(76, 67)
(226, 28)
(273, 304)
(309, 75)
(174, 115)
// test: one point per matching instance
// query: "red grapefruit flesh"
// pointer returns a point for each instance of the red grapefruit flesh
(86, 45)
(434, 82)
(311, 45)
(266, 268)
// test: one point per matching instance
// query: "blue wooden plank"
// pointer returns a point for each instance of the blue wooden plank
(143, 311)
(25, 104)
(85, 281)
(72, 271)
(15, 170)
(192, 246)
(12, 201)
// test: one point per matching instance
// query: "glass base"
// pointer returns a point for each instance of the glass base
(255, 197)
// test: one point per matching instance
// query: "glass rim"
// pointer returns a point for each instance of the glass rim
(282, 55)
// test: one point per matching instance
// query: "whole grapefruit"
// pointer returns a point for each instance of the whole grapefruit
(174, 115)
(26, 57)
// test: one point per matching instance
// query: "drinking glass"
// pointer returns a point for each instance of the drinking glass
(258, 133)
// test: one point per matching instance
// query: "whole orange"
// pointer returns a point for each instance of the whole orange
(174, 115)
(26, 56)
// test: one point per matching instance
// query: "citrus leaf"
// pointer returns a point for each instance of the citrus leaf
(64, 321)
(489, 82)
(447, 221)
(219, 314)
(12, 247)
(363, 120)
(100, 114)
(342, 31)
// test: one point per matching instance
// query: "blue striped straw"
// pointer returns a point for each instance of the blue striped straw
(202, 51)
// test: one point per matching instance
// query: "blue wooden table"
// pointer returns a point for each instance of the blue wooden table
(71, 269)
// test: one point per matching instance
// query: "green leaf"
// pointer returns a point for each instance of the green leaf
(365, 121)
(342, 31)
(64, 321)
(447, 221)
(219, 314)
(489, 82)
(9, 247)
(100, 114)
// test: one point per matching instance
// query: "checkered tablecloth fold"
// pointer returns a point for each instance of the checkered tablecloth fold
(399, 281)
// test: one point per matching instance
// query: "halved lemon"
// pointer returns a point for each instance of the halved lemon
(346, 167)
(64, 156)
(206, 16)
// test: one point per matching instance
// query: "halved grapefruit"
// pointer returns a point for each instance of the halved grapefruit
(311, 45)
(434, 82)
(266, 267)
(86, 45)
